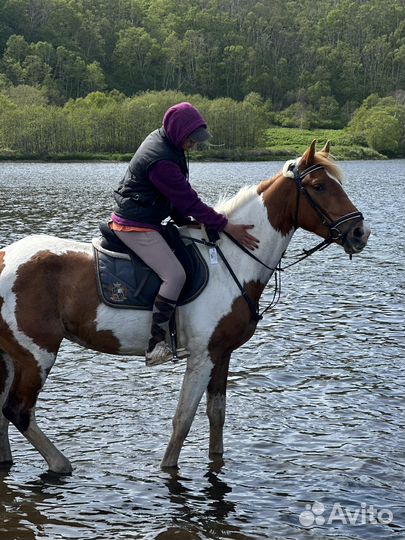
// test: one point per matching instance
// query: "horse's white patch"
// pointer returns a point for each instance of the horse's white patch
(290, 164)
(131, 327)
(16, 255)
(199, 319)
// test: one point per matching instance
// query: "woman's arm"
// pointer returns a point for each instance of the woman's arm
(167, 177)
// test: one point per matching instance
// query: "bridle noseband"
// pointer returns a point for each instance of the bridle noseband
(335, 233)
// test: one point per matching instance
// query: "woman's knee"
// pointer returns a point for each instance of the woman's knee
(180, 275)
(173, 282)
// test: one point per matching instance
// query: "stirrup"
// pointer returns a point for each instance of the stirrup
(180, 354)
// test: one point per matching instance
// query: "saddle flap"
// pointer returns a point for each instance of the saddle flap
(125, 281)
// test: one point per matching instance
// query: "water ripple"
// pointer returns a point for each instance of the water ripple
(315, 399)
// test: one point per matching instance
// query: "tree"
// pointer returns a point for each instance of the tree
(94, 79)
(381, 121)
(35, 70)
(16, 49)
(383, 131)
(135, 53)
(309, 52)
(25, 95)
(70, 71)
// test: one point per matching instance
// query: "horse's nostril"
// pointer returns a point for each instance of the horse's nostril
(358, 232)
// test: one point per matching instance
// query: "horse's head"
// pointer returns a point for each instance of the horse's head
(321, 204)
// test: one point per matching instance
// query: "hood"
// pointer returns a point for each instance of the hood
(180, 121)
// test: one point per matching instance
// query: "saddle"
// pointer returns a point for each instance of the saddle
(125, 281)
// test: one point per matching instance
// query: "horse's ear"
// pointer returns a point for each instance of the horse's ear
(325, 150)
(308, 157)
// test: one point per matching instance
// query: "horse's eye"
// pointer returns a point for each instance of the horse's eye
(319, 187)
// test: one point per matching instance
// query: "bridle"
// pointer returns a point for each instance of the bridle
(335, 234)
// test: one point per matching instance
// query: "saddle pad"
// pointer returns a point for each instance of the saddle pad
(125, 281)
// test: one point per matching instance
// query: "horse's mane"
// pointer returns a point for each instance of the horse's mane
(227, 206)
(246, 193)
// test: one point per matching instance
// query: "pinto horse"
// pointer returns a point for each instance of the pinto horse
(48, 292)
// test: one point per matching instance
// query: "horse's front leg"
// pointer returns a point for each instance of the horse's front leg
(216, 403)
(194, 384)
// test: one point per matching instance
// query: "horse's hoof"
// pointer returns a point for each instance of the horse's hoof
(169, 468)
(216, 463)
(54, 474)
(61, 467)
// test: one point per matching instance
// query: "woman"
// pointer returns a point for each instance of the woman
(154, 187)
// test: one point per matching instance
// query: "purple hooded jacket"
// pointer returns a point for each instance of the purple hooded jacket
(179, 122)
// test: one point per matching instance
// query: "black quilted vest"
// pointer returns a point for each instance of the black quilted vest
(136, 197)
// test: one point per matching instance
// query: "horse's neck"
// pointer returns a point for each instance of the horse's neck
(272, 242)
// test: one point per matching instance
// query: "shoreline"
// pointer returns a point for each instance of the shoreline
(276, 144)
(263, 154)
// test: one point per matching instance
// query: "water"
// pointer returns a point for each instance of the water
(314, 404)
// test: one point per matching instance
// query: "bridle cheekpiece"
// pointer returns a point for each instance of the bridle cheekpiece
(291, 170)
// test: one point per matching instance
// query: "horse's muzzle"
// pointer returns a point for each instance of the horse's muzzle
(355, 239)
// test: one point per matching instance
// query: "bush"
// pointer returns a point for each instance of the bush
(380, 121)
(113, 123)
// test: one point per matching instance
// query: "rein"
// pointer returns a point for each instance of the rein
(253, 308)
(334, 235)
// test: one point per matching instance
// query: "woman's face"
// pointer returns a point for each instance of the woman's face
(188, 144)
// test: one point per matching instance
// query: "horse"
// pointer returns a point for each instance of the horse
(48, 292)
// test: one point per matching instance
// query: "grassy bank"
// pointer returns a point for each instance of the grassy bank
(278, 144)
(293, 141)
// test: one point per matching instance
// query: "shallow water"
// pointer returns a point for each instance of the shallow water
(315, 398)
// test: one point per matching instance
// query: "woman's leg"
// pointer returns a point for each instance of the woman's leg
(152, 248)
(154, 251)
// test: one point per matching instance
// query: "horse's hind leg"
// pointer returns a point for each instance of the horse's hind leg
(6, 373)
(216, 400)
(19, 409)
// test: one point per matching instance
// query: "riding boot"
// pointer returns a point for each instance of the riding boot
(158, 350)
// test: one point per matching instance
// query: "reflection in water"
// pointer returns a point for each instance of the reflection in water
(21, 506)
(217, 492)
(214, 500)
(315, 399)
(214, 493)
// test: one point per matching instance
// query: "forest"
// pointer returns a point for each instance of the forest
(96, 75)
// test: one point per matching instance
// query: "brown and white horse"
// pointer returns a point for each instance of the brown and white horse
(48, 292)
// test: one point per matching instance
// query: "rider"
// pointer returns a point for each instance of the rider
(155, 186)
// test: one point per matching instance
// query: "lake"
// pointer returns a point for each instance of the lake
(314, 431)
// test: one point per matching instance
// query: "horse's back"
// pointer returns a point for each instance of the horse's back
(29, 246)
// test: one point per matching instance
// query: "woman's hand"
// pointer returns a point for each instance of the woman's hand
(241, 234)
